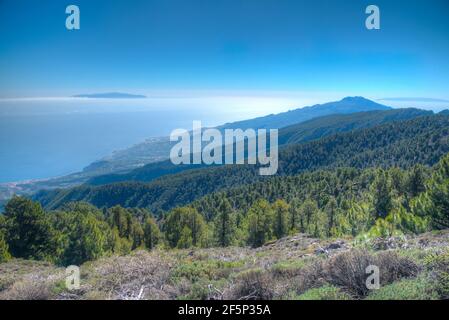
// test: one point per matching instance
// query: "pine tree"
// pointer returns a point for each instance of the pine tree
(127, 224)
(118, 217)
(359, 218)
(406, 222)
(382, 195)
(152, 234)
(294, 219)
(438, 195)
(399, 180)
(117, 244)
(224, 226)
(136, 232)
(89, 238)
(331, 211)
(84, 234)
(308, 209)
(416, 180)
(280, 221)
(260, 221)
(185, 238)
(318, 226)
(185, 219)
(28, 230)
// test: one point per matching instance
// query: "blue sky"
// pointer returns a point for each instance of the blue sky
(233, 47)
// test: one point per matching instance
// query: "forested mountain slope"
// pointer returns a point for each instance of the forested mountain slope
(298, 133)
(325, 126)
(422, 140)
(156, 149)
(273, 121)
(367, 204)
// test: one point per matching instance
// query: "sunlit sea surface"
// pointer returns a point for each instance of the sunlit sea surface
(52, 137)
(48, 137)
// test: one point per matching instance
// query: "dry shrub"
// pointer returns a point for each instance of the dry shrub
(253, 284)
(309, 277)
(348, 270)
(141, 275)
(394, 267)
(95, 295)
(312, 276)
(29, 288)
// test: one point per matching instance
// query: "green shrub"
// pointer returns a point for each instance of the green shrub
(29, 233)
(326, 292)
(4, 250)
(204, 290)
(417, 255)
(253, 284)
(408, 289)
(438, 267)
(288, 268)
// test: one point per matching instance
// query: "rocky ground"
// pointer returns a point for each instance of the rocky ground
(296, 267)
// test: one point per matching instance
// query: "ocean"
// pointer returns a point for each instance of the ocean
(49, 137)
(42, 138)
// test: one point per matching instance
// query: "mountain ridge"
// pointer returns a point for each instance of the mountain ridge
(154, 149)
(302, 132)
(148, 154)
(422, 140)
(283, 119)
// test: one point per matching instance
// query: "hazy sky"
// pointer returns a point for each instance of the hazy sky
(227, 47)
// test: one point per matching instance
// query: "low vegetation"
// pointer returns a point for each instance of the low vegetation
(296, 267)
(370, 203)
(249, 241)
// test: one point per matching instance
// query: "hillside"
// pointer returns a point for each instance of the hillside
(298, 133)
(306, 236)
(327, 125)
(298, 267)
(156, 149)
(423, 140)
(275, 121)
(152, 150)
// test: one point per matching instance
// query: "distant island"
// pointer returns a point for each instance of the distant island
(110, 95)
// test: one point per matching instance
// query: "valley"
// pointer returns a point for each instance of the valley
(243, 151)
(352, 190)
(157, 149)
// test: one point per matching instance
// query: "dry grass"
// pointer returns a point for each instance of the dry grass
(348, 270)
(30, 288)
(141, 275)
(253, 284)
(28, 280)
(281, 270)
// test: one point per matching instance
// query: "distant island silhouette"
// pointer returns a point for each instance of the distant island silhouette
(110, 95)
